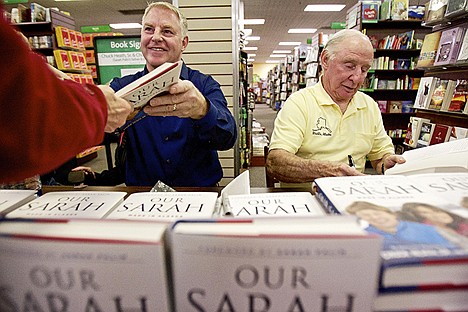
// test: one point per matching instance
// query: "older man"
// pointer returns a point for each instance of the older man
(320, 128)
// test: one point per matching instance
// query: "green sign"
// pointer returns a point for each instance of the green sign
(117, 56)
(338, 25)
(14, 1)
(95, 29)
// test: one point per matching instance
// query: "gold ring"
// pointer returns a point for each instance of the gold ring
(174, 107)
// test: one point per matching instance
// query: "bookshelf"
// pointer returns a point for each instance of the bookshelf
(393, 77)
(245, 115)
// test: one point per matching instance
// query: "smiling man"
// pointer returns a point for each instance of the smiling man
(178, 140)
(319, 126)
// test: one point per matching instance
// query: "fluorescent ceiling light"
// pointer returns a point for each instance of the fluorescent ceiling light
(272, 61)
(324, 7)
(302, 30)
(247, 32)
(125, 25)
(253, 38)
(257, 21)
(250, 49)
(281, 51)
(70, 0)
(277, 55)
(251, 54)
(289, 43)
(250, 60)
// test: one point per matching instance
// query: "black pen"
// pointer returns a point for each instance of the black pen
(351, 161)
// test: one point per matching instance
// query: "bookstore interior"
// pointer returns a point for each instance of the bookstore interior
(391, 242)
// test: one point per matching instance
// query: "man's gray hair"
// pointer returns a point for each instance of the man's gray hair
(334, 44)
(169, 6)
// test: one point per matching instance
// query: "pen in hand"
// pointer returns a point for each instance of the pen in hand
(351, 161)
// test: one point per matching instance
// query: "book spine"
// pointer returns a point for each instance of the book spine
(325, 201)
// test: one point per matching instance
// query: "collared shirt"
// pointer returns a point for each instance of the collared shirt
(312, 126)
(180, 151)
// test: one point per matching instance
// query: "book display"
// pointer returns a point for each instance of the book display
(11, 199)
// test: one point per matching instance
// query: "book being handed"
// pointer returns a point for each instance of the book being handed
(140, 91)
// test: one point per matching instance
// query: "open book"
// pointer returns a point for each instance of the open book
(139, 92)
(450, 156)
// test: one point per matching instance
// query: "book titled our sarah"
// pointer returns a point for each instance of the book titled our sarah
(140, 91)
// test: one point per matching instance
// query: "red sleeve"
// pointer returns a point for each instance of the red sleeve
(44, 121)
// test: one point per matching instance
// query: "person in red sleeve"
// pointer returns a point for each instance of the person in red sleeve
(45, 120)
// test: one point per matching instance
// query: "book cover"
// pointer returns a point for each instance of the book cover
(407, 214)
(69, 205)
(167, 206)
(429, 49)
(463, 53)
(62, 35)
(456, 8)
(274, 264)
(11, 199)
(425, 134)
(425, 90)
(385, 10)
(38, 13)
(395, 106)
(449, 46)
(414, 128)
(439, 94)
(382, 105)
(399, 10)
(458, 133)
(450, 156)
(459, 97)
(370, 11)
(83, 265)
(448, 95)
(139, 92)
(405, 40)
(436, 11)
(441, 134)
(275, 204)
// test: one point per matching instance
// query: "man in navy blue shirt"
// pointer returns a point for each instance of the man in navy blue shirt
(178, 139)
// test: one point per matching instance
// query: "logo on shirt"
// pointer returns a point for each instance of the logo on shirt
(321, 128)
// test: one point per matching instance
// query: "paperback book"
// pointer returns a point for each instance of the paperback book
(274, 264)
(83, 265)
(449, 46)
(413, 131)
(463, 54)
(139, 92)
(419, 247)
(459, 97)
(429, 49)
(69, 205)
(166, 206)
(425, 90)
(425, 134)
(274, 204)
(441, 134)
(440, 94)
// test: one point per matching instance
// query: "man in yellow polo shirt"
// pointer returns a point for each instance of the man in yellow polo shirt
(321, 127)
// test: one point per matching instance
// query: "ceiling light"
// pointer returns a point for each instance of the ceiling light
(250, 60)
(302, 30)
(253, 38)
(282, 51)
(258, 21)
(324, 7)
(272, 61)
(250, 49)
(247, 32)
(251, 54)
(277, 55)
(125, 25)
(290, 43)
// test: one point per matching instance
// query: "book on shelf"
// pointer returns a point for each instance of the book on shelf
(69, 205)
(399, 10)
(157, 81)
(83, 265)
(39, 13)
(166, 206)
(425, 134)
(414, 128)
(425, 90)
(421, 248)
(385, 10)
(12, 199)
(448, 95)
(277, 204)
(429, 49)
(458, 133)
(382, 105)
(440, 94)
(449, 45)
(405, 40)
(449, 156)
(463, 53)
(458, 102)
(395, 107)
(436, 11)
(440, 134)
(370, 11)
(456, 8)
(274, 264)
